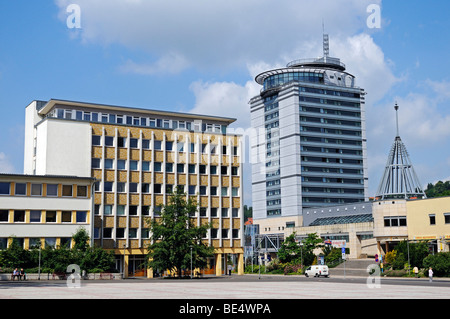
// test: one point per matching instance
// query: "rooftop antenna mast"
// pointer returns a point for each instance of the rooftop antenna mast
(326, 42)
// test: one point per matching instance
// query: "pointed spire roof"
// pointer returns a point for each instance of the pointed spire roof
(399, 178)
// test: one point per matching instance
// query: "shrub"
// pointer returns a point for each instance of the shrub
(440, 264)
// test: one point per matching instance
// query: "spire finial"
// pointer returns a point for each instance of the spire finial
(396, 117)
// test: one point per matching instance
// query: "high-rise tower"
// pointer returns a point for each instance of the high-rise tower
(310, 150)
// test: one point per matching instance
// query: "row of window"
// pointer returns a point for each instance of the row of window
(332, 180)
(120, 233)
(322, 200)
(133, 210)
(284, 78)
(37, 189)
(78, 115)
(432, 218)
(309, 99)
(330, 150)
(329, 92)
(316, 139)
(310, 119)
(35, 242)
(325, 130)
(145, 188)
(331, 160)
(158, 145)
(320, 110)
(36, 216)
(96, 163)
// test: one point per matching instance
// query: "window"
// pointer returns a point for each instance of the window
(120, 210)
(235, 212)
(234, 171)
(203, 211)
(447, 218)
(95, 163)
(107, 232)
(121, 141)
(202, 190)
(133, 187)
(169, 167)
(192, 189)
(109, 141)
(191, 168)
(120, 233)
(96, 209)
(395, 221)
(235, 233)
(157, 145)
(180, 168)
(50, 242)
(157, 166)
(36, 189)
(224, 212)
(145, 233)
(146, 166)
(4, 216)
(235, 191)
(180, 146)
(81, 191)
(133, 233)
(224, 233)
(107, 210)
(202, 169)
(21, 189)
(96, 140)
(224, 191)
(157, 188)
(432, 219)
(81, 217)
(67, 190)
(109, 164)
(145, 188)
(213, 170)
(214, 232)
(169, 146)
(133, 142)
(213, 211)
(108, 187)
(121, 187)
(133, 165)
(133, 210)
(145, 210)
(50, 217)
(66, 217)
(213, 190)
(52, 190)
(224, 170)
(121, 164)
(146, 144)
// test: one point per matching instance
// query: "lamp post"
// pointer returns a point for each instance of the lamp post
(124, 264)
(191, 264)
(39, 269)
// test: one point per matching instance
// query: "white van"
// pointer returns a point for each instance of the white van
(317, 271)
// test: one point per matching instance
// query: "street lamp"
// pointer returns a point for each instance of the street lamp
(191, 264)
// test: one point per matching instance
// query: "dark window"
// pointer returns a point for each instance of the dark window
(4, 188)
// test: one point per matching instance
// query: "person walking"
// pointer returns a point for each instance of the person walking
(430, 274)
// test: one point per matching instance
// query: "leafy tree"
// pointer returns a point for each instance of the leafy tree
(440, 263)
(174, 236)
(439, 189)
(417, 252)
(289, 250)
(81, 239)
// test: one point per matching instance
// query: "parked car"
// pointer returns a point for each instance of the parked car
(317, 271)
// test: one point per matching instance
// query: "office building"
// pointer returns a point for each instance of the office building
(138, 156)
(310, 146)
(44, 211)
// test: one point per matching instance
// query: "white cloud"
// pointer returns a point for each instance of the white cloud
(171, 63)
(216, 34)
(5, 164)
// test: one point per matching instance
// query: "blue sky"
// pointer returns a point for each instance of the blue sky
(202, 56)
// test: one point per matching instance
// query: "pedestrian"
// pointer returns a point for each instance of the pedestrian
(22, 274)
(15, 274)
(416, 271)
(430, 274)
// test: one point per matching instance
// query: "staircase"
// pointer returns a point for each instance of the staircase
(353, 267)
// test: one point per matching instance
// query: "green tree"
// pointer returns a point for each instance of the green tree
(417, 252)
(81, 239)
(175, 236)
(440, 263)
(289, 250)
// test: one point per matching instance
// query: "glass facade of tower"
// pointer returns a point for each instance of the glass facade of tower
(311, 139)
